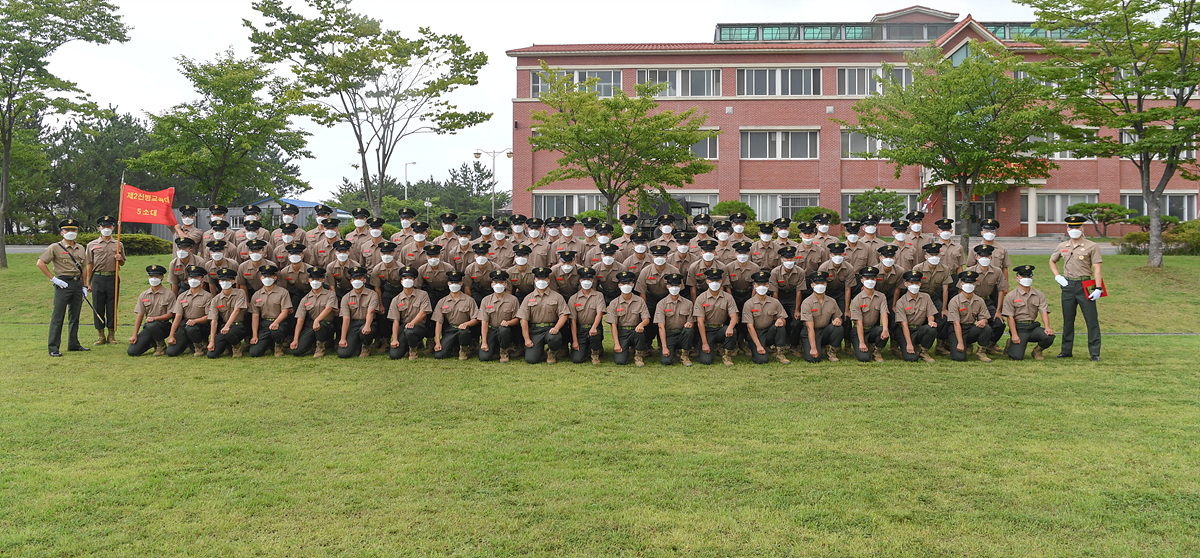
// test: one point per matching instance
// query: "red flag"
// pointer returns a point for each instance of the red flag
(139, 206)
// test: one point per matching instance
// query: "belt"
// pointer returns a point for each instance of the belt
(1027, 322)
(235, 324)
(104, 273)
(542, 324)
(1084, 278)
(741, 291)
(674, 330)
(69, 277)
(270, 319)
(719, 326)
(626, 327)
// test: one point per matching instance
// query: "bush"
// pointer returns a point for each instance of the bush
(807, 214)
(887, 204)
(1183, 240)
(1134, 243)
(597, 213)
(135, 244)
(388, 230)
(729, 207)
(1143, 222)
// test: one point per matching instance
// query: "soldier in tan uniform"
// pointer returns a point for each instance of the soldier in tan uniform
(953, 254)
(935, 282)
(187, 224)
(387, 279)
(457, 250)
(695, 279)
(916, 320)
(315, 326)
(991, 286)
(498, 319)
(544, 314)
(360, 216)
(501, 253)
(1000, 256)
(405, 235)
(666, 226)
(408, 310)
(248, 277)
(191, 312)
(587, 312)
(651, 283)
(869, 312)
(216, 212)
(857, 253)
(270, 315)
(607, 270)
(890, 281)
(766, 321)
(227, 316)
(293, 277)
(628, 316)
(320, 214)
(683, 256)
(368, 246)
(253, 230)
(185, 255)
(1082, 285)
(153, 309)
(567, 239)
(336, 270)
(822, 320)
(539, 255)
(823, 238)
(453, 319)
(220, 253)
(273, 250)
(321, 249)
(104, 257)
(870, 230)
(564, 276)
(477, 275)
(357, 310)
(969, 317)
(1022, 307)
(716, 319)
(412, 251)
(907, 254)
(62, 264)
(787, 281)
(741, 286)
(810, 254)
(520, 274)
(288, 213)
(676, 327)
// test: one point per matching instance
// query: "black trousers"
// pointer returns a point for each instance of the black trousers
(104, 299)
(630, 341)
(1029, 332)
(542, 338)
(237, 334)
(771, 336)
(67, 302)
(453, 338)
(1074, 296)
(268, 338)
(652, 301)
(588, 343)
(382, 323)
(309, 338)
(830, 335)
(716, 336)
(922, 336)
(874, 339)
(739, 300)
(677, 341)
(409, 339)
(794, 326)
(355, 339)
(188, 337)
(971, 334)
(498, 339)
(151, 333)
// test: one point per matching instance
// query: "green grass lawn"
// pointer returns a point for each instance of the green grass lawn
(102, 454)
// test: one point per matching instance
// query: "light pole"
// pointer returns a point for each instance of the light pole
(480, 153)
(406, 178)
(427, 206)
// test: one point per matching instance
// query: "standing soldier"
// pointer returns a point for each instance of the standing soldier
(891, 275)
(766, 321)
(388, 283)
(703, 224)
(822, 320)
(543, 313)
(498, 319)
(453, 317)
(478, 273)
(716, 319)
(969, 317)
(696, 278)
(810, 254)
(457, 252)
(607, 270)
(568, 240)
(639, 256)
(907, 255)
(185, 255)
(823, 238)
(360, 215)
(651, 280)
(540, 249)
(518, 229)
(288, 213)
(625, 240)
(62, 264)
(269, 311)
(683, 256)
(666, 226)
(935, 279)
(629, 317)
(220, 254)
(991, 286)
(676, 329)
(1022, 307)
(725, 252)
(565, 275)
(953, 254)
(336, 269)
(187, 225)
(153, 309)
(226, 316)
(216, 212)
(293, 277)
(407, 311)
(1000, 257)
(501, 253)
(250, 214)
(857, 253)
(413, 249)
(587, 312)
(191, 311)
(103, 258)
(253, 230)
(357, 310)
(320, 250)
(788, 280)
(916, 319)
(520, 274)
(760, 247)
(320, 214)
(869, 312)
(248, 277)
(915, 238)
(220, 231)
(315, 327)
(1082, 285)
(870, 228)
(367, 246)
(590, 242)
(405, 235)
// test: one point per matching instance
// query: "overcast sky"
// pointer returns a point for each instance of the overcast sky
(142, 75)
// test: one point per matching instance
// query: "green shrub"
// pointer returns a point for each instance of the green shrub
(729, 207)
(135, 244)
(597, 213)
(1184, 239)
(1143, 222)
(806, 215)
(1134, 243)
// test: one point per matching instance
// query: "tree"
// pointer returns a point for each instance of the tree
(30, 182)
(1101, 214)
(386, 87)
(230, 138)
(1135, 71)
(806, 215)
(31, 32)
(971, 124)
(625, 145)
(877, 201)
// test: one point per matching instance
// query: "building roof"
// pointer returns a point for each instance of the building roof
(967, 23)
(680, 48)
(948, 16)
(297, 203)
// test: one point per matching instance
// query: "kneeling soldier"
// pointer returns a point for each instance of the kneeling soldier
(314, 317)
(154, 314)
(407, 311)
(716, 318)
(587, 311)
(822, 320)
(916, 320)
(270, 308)
(357, 310)
(869, 310)
(227, 314)
(966, 308)
(543, 314)
(498, 314)
(766, 320)
(629, 317)
(453, 317)
(676, 329)
(1021, 308)
(191, 310)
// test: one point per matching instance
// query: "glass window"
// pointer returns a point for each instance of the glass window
(960, 55)
(684, 83)
(765, 206)
(779, 145)
(1052, 208)
(706, 148)
(935, 30)
(610, 80)
(822, 32)
(857, 81)
(710, 199)
(789, 204)
(905, 32)
(739, 33)
(1017, 32)
(537, 85)
(997, 30)
(781, 33)
(863, 33)
(1067, 33)
(1182, 206)
(655, 77)
(756, 82)
(858, 146)
(803, 144)
(800, 81)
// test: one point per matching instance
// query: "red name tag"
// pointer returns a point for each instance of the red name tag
(1017, 300)
(445, 308)
(754, 310)
(400, 304)
(908, 308)
(620, 309)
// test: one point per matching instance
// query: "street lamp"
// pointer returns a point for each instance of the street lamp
(480, 153)
(427, 206)
(406, 178)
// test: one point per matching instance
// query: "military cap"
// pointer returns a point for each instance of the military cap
(821, 218)
(818, 277)
(722, 225)
(1024, 270)
(407, 212)
(433, 249)
(408, 271)
(568, 221)
(289, 208)
(320, 209)
(764, 227)
(218, 209)
(742, 247)
(627, 277)
(252, 210)
(915, 216)
(870, 219)
(944, 224)
(268, 269)
(673, 278)
(420, 226)
(567, 255)
(782, 223)
(589, 222)
(517, 219)
(542, 272)
(252, 225)
(188, 210)
(869, 271)
(968, 276)
(386, 246)
(666, 219)
(69, 224)
(463, 230)
(639, 237)
(888, 250)
(707, 245)
(294, 248)
(522, 249)
(481, 247)
(360, 212)
(837, 248)
(702, 219)
(604, 228)
(1075, 220)
(628, 218)
(852, 227)
(484, 219)
(502, 225)
(227, 273)
(914, 276)
(448, 217)
(220, 224)
(900, 225)
(106, 220)
(498, 275)
(932, 248)
(761, 276)
(553, 222)
(288, 228)
(714, 273)
(534, 223)
(587, 272)
(316, 272)
(343, 245)
(787, 252)
(185, 242)
(358, 271)
(256, 244)
(807, 228)
(331, 223)
(194, 271)
(375, 222)
(660, 250)
(989, 224)
(683, 237)
(984, 250)
(216, 245)
(609, 248)
(738, 217)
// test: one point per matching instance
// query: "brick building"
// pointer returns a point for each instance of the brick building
(772, 90)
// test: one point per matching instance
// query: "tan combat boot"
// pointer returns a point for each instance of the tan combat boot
(278, 350)
(412, 353)
(503, 355)
(1037, 353)
(199, 350)
(102, 340)
(727, 357)
(780, 357)
(112, 336)
(595, 357)
(981, 354)
(831, 352)
(319, 350)
(366, 352)
(924, 354)
(941, 348)
(684, 358)
(551, 358)
(160, 348)
(994, 350)
(639, 358)
(463, 354)
(876, 354)
(237, 350)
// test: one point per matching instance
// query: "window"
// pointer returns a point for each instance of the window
(863, 33)
(789, 204)
(710, 199)
(1068, 33)
(769, 207)
(772, 81)
(739, 33)
(857, 81)
(858, 146)
(935, 30)
(822, 32)
(800, 81)
(1090, 137)
(905, 32)
(903, 76)
(537, 85)
(684, 83)
(610, 80)
(779, 145)
(960, 55)
(1182, 206)
(1128, 137)
(561, 205)
(912, 203)
(997, 30)
(1017, 32)
(706, 148)
(756, 82)
(781, 33)
(1052, 208)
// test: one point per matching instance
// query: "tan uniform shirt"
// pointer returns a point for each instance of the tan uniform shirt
(58, 257)
(320, 252)
(335, 273)
(857, 256)
(501, 255)
(762, 312)
(478, 276)
(627, 313)
(565, 282)
(866, 309)
(177, 272)
(810, 256)
(224, 304)
(313, 304)
(495, 309)
(1000, 257)
(989, 280)
(454, 311)
(673, 314)
(1024, 306)
(192, 305)
(585, 307)
(191, 232)
(434, 277)
(636, 262)
(819, 312)
(413, 255)
(296, 277)
(356, 305)
(405, 307)
(248, 275)
(715, 307)
(739, 275)
(520, 281)
(840, 276)
(650, 281)
(538, 308)
(933, 277)
(783, 279)
(1078, 257)
(102, 256)
(269, 305)
(967, 310)
(683, 262)
(914, 309)
(695, 276)
(953, 256)
(151, 303)
(389, 273)
(889, 279)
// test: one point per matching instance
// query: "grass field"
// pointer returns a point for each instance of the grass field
(102, 454)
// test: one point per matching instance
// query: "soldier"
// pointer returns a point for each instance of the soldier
(367, 247)
(412, 252)
(651, 282)
(65, 258)
(250, 214)
(739, 272)
(220, 254)
(432, 278)
(567, 241)
(936, 277)
(520, 274)
(810, 254)
(628, 316)
(288, 213)
(315, 326)
(478, 273)
(907, 254)
(591, 252)
(738, 224)
(226, 316)
(696, 278)
(916, 319)
(676, 329)
(543, 313)
(716, 319)
(187, 224)
(869, 312)
(518, 229)
(822, 319)
(248, 278)
(760, 247)
(870, 228)
(458, 252)
(405, 235)
(552, 229)
(216, 212)
(102, 260)
(953, 255)
(969, 317)
(607, 270)
(540, 255)
(220, 231)
(823, 238)
(293, 277)
(153, 309)
(683, 256)
(408, 310)
(841, 280)
(915, 238)
(565, 275)
(357, 310)
(320, 250)
(486, 225)
(589, 240)
(639, 256)
(321, 213)
(1000, 257)
(501, 253)
(185, 255)
(991, 286)
(1082, 285)
(360, 215)
(270, 309)
(725, 251)
(1022, 307)
(335, 270)
(783, 230)
(587, 307)
(857, 254)
(890, 280)
(388, 284)
(453, 318)
(765, 320)
(448, 221)
(252, 230)
(787, 279)
(498, 314)
(625, 241)
(703, 224)
(191, 311)
(666, 226)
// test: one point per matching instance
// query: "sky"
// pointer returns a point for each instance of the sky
(142, 75)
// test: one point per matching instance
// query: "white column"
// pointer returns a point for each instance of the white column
(1031, 210)
(951, 193)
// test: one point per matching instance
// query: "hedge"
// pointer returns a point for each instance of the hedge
(135, 244)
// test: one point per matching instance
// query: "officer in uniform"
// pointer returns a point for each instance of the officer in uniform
(587, 311)
(765, 320)
(321, 249)
(104, 257)
(628, 316)
(544, 314)
(869, 312)
(916, 319)
(404, 236)
(270, 310)
(388, 284)
(520, 274)
(683, 256)
(991, 286)
(969, 317)
(651, 283)
(453, 319)
(695, 276)
(1022, 306)
(1082, 285)
(357, 310)
(315, 326)
(408, 310)
(252, 230)
(412, 247)
(293, 277)
(62, 264)
(248, 277)
(822, 319)
(716, 319)
(676, 328)
(227, 316)
(153, 309)
(498, 314)
(565, 275)
(191, 312)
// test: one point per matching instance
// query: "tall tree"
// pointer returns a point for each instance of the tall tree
(30, 182)
(32, 31)
(625, 145)
(232, 137)
(1135, 72)
(970, 123)
(385, 86)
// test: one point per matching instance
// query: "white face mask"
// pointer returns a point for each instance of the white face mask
(626, 289)
(762, 289)
(218, 235)
(518, 228)
(968, 287)
(552, 232)
(666, 229)
(589, 232)
(934, 260)
(837, 259)
(888, 262)
(405, 223)
(945, 235)
(984, 262)
(900, 237)
(342, 256)
(360, 223)
(708, 256)
(916, 227)
(481, 260)
(217, 256)
(314, 284)
(1074, 233)
(870, 229)
(714, 286)
(188, 221)
(268, 281)
(250, 218)
(226, 285)
(498, 288)
(1025, 281)
(295, 258)
(764, 237)
(419, 237)
(603, 239)
(788, 264)
(105, 232)
(702, 229)
(357, 283)
(628, 229)
(806, 240)
(287, 238)
(568, 232)
(447, 228)
(331, 233)
(823, 228)
(852, 238)
(722, 236)
(215, 218)
(639, 248)
(181, 254)
(455, 287)
(567, 268)
(660, 261)
(534, 233)
(743, 258)
(739, 228)
(251, 235)
(608, 260)
(387, 258)
(674, 290)
(484, 231)
(255, 256)
(819, 288)
(193, 283)
(586, 284)
(408, 282)
(434, 261)
(989, 236)
(869, 283)
(288, 219)
(914, 289)
(375, 233)
(520, 260)
(541, 284)
(783, 233)
(463, 241)
(681, 248)
(498, 235)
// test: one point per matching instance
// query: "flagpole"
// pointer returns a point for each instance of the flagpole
(117, 278)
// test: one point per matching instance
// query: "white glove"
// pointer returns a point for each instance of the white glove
(1061, 280)
(85, 292)
(1095, 294)
(58, 282)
